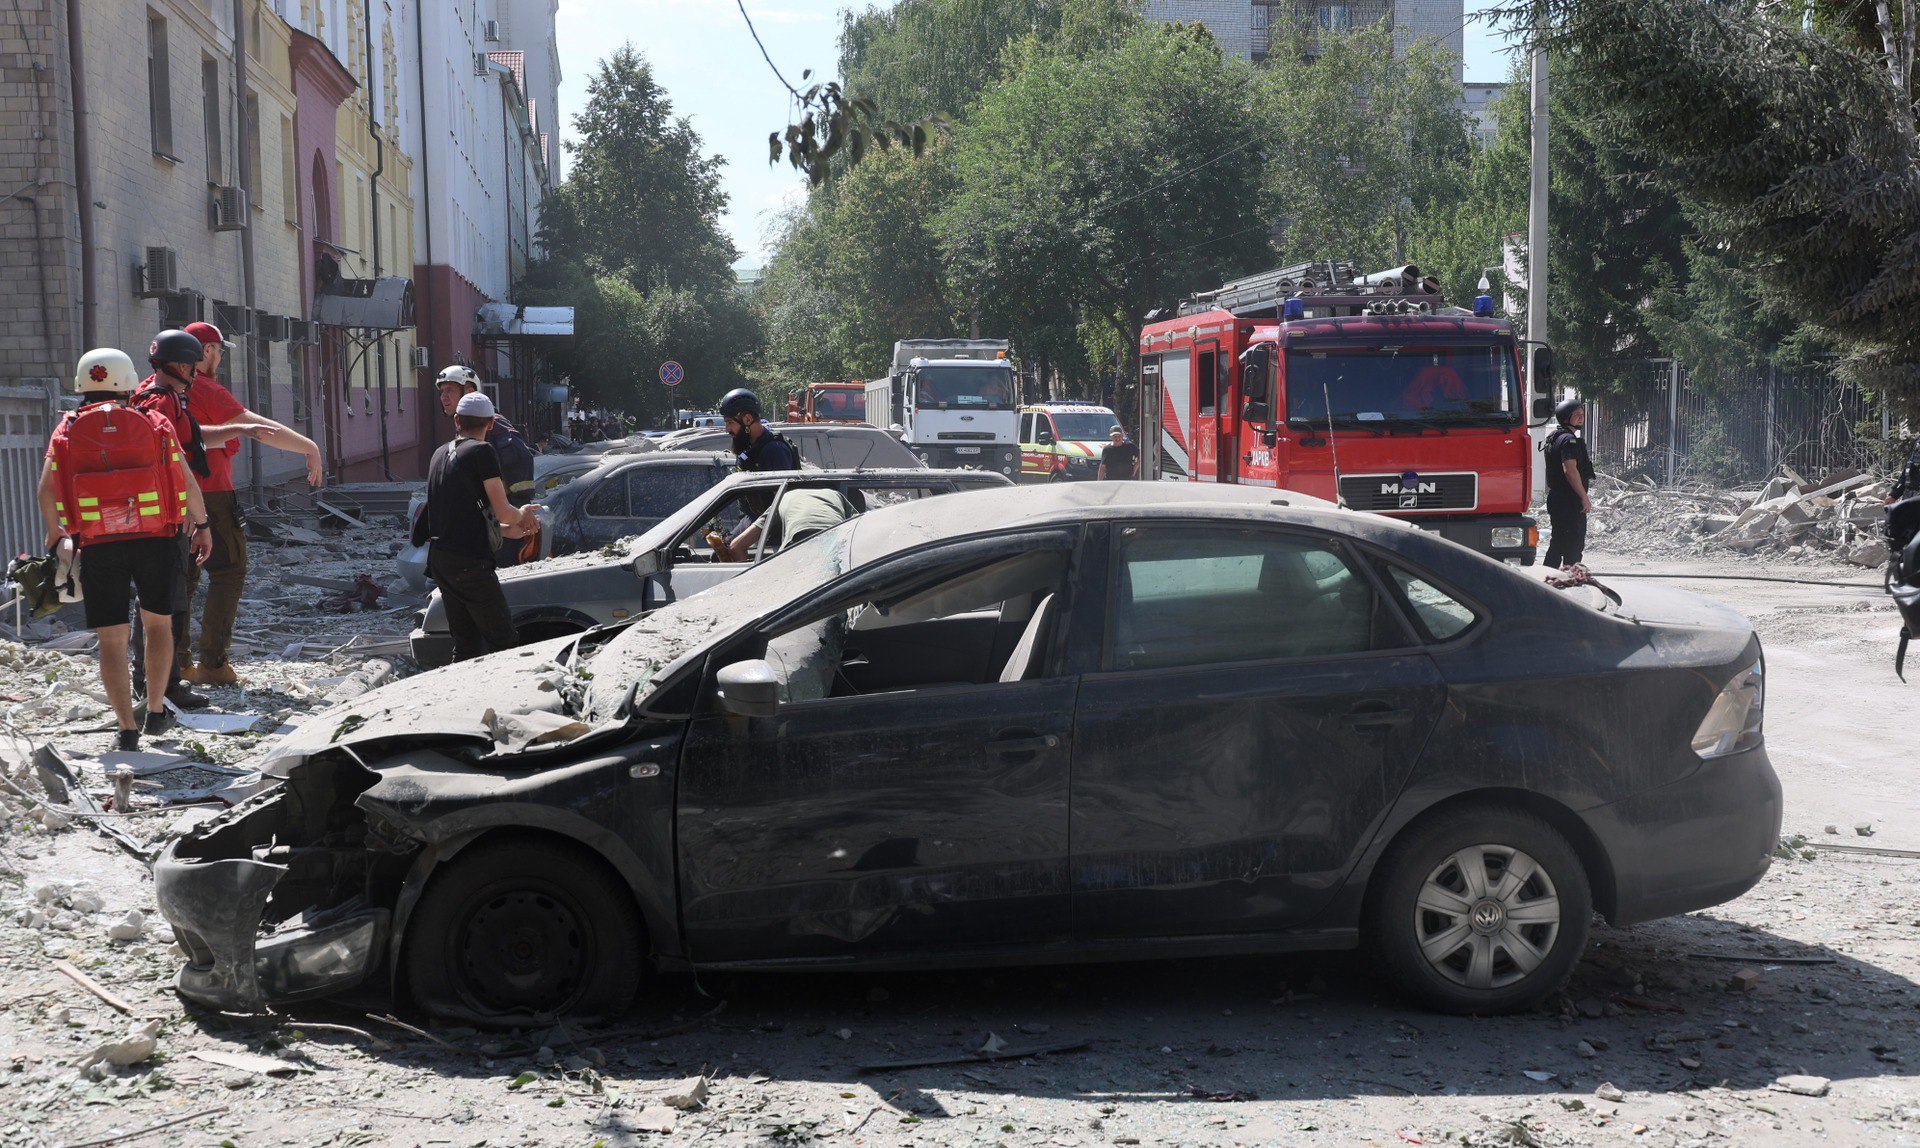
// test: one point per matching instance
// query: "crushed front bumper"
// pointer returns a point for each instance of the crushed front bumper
(217, 910)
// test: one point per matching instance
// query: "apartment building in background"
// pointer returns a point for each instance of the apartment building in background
(490, 122)
(303, 173)
(1250, 30)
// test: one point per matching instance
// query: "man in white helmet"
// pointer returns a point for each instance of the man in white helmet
(116, 488)
(516, 457)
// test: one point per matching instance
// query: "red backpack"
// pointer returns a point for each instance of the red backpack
(118, 475)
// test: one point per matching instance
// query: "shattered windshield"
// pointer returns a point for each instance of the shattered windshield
(1432, 385)
(646, 647)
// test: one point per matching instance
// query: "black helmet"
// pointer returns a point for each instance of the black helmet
(1564, 412)
(735, 402)
(174, 347)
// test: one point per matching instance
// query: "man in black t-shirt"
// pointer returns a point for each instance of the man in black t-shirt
(466, 498)
(1119, 459)
(1569, 478)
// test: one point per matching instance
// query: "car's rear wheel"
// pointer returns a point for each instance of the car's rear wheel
(524, 927)
(1481, 910)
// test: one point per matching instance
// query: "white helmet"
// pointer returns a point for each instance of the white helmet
(464, 376)
(105, 369)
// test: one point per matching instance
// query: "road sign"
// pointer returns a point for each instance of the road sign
(671, 373)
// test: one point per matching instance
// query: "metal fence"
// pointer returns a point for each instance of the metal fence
(1663, 427)
(27, 412)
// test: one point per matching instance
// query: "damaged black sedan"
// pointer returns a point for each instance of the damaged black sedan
(1082, 722)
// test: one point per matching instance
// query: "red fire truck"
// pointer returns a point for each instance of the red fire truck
(1366, 390)
(828, 403)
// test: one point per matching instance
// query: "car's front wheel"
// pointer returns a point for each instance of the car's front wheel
(1481, 910)
(523, 928)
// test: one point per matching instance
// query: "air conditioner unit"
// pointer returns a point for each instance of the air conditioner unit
(490, 31)
(160, 274)
(382, 304)
(181, 308)
(422, 358)
(273, 328)
(234, 320)
(230, 209)
(480, 64)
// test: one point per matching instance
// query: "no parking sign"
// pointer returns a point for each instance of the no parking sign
(671, 373)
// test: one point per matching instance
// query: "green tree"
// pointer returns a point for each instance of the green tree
(1094, 186)
(923, 58)
(1361, 142)
(633, 243)
(1793, 128)
(860, 269)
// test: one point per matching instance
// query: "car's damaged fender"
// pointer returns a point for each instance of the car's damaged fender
(617, 804)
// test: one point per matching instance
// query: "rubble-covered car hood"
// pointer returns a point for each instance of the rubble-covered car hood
(465, 701)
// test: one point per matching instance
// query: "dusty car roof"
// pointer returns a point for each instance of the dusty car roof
(881, 532)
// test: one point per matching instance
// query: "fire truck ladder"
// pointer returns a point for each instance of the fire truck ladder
(1327, 286)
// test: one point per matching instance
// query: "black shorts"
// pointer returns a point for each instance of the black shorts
(108, 570)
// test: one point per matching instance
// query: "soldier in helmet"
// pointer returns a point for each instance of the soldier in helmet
(116, 487)
(1569, 480)
(757, 447)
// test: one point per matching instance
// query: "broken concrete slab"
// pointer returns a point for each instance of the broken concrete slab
(1803, 1085)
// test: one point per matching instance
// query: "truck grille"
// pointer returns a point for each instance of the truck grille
(1427, 492)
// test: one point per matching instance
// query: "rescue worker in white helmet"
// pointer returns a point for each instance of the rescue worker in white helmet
(116, 487)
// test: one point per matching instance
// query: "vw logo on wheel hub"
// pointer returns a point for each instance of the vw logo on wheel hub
(1488, 917)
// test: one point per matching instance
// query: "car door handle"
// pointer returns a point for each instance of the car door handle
(1024, 744)
(1362, 717)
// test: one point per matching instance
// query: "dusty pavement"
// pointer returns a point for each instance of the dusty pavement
(1658, 1040)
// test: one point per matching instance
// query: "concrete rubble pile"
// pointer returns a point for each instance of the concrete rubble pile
(317, 626)
(1791, 517)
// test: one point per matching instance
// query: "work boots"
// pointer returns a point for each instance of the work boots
(204, 675)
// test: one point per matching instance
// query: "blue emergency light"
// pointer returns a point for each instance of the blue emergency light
(1294, 309)
(1483, 306)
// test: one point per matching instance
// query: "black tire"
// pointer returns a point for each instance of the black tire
(1476, 961)
(523, 928)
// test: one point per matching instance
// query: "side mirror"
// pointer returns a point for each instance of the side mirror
(1256, 412)
(645, 563)
(1256, 365)
(1270, 438)
(749, 688)
(1542, 408)
(1542, 367)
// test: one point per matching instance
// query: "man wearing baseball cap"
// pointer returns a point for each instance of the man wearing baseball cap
(466, 509)
(224, 421)
(516, 457)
